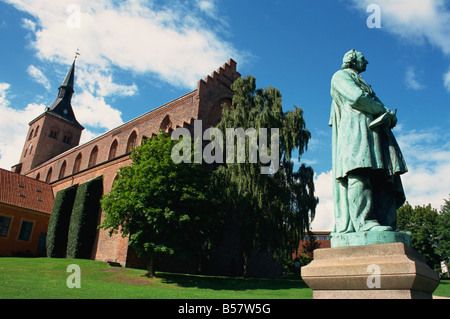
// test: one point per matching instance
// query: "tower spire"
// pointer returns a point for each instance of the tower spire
(62, 106)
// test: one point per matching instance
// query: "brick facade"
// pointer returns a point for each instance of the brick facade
(62, 167)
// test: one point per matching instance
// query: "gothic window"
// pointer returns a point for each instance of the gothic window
(37, 131)
(93, 157)
(28, 150)
(54, 132)
(62, 171)
(166, 124)
(67, 137)
(38, 176)
(31, 135)
(77, 165)
(49, 176)
(113, 150)
(131, 141)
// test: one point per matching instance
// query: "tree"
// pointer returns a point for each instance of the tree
(274, 210)
(421, 222)
(443, 232)
(164, 208)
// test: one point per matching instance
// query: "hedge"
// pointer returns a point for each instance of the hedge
(84, 219)
(58, 226)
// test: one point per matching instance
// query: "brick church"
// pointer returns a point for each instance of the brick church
(52, 154)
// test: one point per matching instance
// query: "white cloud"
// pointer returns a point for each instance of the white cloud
(13, 127)
(418, 21)
(38, 76)
(93, 111)
(324, 219)
(207, 6)
(411, 80)
(446, 78)
(170, 43)
(427, 154)
(100, 83)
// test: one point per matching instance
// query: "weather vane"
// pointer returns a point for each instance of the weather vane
(77, 53)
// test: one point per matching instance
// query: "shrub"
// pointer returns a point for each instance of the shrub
(84, 219)
(58, 226)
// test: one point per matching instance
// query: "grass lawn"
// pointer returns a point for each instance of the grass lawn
(443, 289)
(45, 278)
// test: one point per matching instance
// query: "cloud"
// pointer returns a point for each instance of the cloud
(95, 112)
(446, 78)
(411, 80)
(427, 154)
(417, 21)
(38, 76)
(170, 43)
(100, 83)
(13, 127)
(324, 219)
(207, 6)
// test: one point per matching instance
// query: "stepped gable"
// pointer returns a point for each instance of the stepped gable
(214, 91)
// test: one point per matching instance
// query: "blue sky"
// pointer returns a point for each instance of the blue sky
(137, 55)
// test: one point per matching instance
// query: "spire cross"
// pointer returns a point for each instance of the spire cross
(77, 53)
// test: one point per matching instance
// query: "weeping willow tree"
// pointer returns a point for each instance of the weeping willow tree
(273, 210)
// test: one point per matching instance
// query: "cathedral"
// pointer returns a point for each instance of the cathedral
(53, 156)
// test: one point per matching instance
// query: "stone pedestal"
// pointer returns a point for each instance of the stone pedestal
(383, 271)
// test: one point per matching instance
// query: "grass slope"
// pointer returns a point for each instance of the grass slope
(45, 278)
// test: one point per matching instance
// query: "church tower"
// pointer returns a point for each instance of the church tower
(54, 131)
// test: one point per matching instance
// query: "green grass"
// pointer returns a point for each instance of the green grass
(443, 289)
(45, 278)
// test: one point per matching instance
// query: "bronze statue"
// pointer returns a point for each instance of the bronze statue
(367, 161)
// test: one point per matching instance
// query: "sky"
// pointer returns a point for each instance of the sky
(138, 55)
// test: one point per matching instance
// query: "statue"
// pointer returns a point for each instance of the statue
(367, 161)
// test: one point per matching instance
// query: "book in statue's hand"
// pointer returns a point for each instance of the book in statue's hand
(383, 120)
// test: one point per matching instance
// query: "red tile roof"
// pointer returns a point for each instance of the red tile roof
(25, 192)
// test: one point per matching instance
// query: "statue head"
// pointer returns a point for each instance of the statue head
(354, 60)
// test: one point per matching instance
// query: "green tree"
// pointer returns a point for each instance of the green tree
(443, 232)
(421, 222)
(274, 210)
(163, 207)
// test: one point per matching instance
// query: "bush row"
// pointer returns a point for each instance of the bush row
(73, 223)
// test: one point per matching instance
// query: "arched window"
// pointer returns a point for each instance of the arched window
(54, 132)
(62, 171)
(31, 135)
(166, 123)
(38, 176)
(77, 165)
(113, 150)
(28, 150)
(93, 157)
(37, 131)
(131, 141)
(67, 137)
(49, 176)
